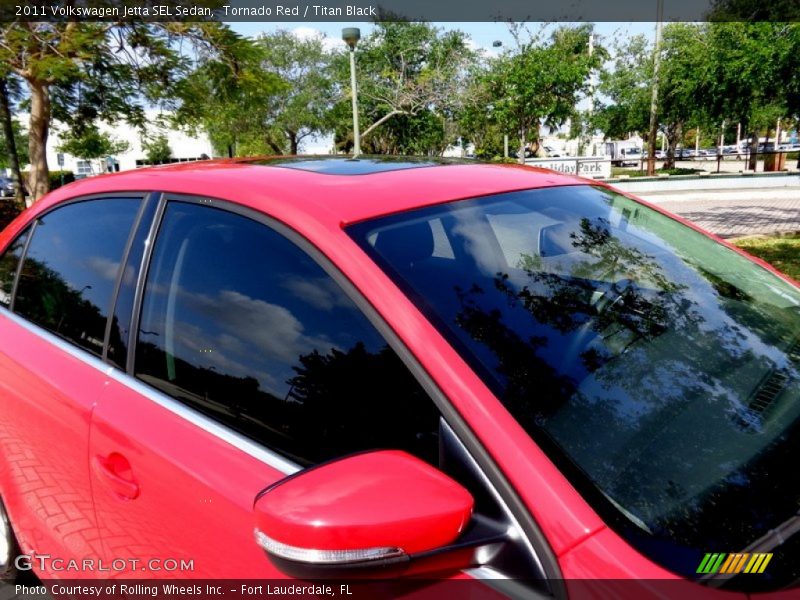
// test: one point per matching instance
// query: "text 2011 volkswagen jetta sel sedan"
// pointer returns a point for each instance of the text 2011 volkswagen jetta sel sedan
(335, 368)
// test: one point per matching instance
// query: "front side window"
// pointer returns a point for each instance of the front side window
(240, 324)
(71, 268)
(660, 369)
(9, 262)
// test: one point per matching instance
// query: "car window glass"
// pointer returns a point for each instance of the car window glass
(71, 268)
(659, 369)
(9, 262)
(242, 325)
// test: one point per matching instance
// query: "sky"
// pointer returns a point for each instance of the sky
(483, 35)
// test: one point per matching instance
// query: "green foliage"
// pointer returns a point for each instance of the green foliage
(56, 177)
(302, 101)
(82, 72)
(627, 87)
(682, 77)
(617, 171)
(231, 100)
(90, 143)
(540, 81)
(753, 72)
(476, 123)
(411, 84)
(21, 139)
(157, 150)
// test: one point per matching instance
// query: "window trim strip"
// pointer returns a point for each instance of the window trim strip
(141, 280)
(30, 229)
(126, 252)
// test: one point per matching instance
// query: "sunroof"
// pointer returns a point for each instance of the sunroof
(352, 166)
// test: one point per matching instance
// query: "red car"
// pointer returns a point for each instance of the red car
(391, 367)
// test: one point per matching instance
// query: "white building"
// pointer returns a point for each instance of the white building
(184, 147)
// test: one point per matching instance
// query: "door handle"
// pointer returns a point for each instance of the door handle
(115, 471)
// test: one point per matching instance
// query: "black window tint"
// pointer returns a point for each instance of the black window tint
(8, 268)
(71, 267)
(242, 325)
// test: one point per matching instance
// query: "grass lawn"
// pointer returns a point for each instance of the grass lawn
(782, 251)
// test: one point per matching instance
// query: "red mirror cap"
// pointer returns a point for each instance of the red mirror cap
(377, 500)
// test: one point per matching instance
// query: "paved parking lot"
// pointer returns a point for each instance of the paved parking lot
(736, 213)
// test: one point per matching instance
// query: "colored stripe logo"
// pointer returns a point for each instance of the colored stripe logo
(732, 564)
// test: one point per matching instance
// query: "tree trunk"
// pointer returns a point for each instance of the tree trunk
(673, 134)
(11, 144)
(275, 147)
(669, 159)
(293, 143)
(38, 131)
(521, 157)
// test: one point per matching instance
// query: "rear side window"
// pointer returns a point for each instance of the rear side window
(71, 268)
(8, 268)
(240, 324)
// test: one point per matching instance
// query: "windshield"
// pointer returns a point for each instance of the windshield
(657, 367)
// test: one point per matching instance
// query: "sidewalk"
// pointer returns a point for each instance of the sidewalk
(735, 213)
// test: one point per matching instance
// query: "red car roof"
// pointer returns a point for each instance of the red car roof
(307, 197)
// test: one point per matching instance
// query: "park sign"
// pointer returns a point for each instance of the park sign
(583, 166)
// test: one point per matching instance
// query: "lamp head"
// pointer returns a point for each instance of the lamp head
(351, 35)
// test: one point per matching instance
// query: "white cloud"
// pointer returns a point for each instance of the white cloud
(484, 50)
(309, 33)
(321, 293)
(106, 269)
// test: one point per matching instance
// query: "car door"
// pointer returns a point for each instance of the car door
(52, 332)
(245, 361)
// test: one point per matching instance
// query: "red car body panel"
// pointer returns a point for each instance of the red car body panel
(317, 206)
(43, 438)
(380, 512)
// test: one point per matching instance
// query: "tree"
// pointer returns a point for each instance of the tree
(682, 86)
(683, 91)
(157, 150)
(78, 72)
(541, 80)
(626, 86)
(302, 104)
(91, 144)
(404, 70)
(476, 124)
(233, 102)
(12, 140)
(753, 79)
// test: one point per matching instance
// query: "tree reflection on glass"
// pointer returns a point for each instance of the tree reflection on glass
(660, 369)
(48, 300)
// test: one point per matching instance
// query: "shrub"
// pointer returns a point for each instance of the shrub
(55, 178)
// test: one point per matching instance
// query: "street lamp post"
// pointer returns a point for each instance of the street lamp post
(351, 35)
(651, 141)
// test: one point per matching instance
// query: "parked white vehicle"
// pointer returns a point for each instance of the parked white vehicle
(624, 152)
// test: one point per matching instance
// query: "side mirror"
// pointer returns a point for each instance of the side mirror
(377, 510)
